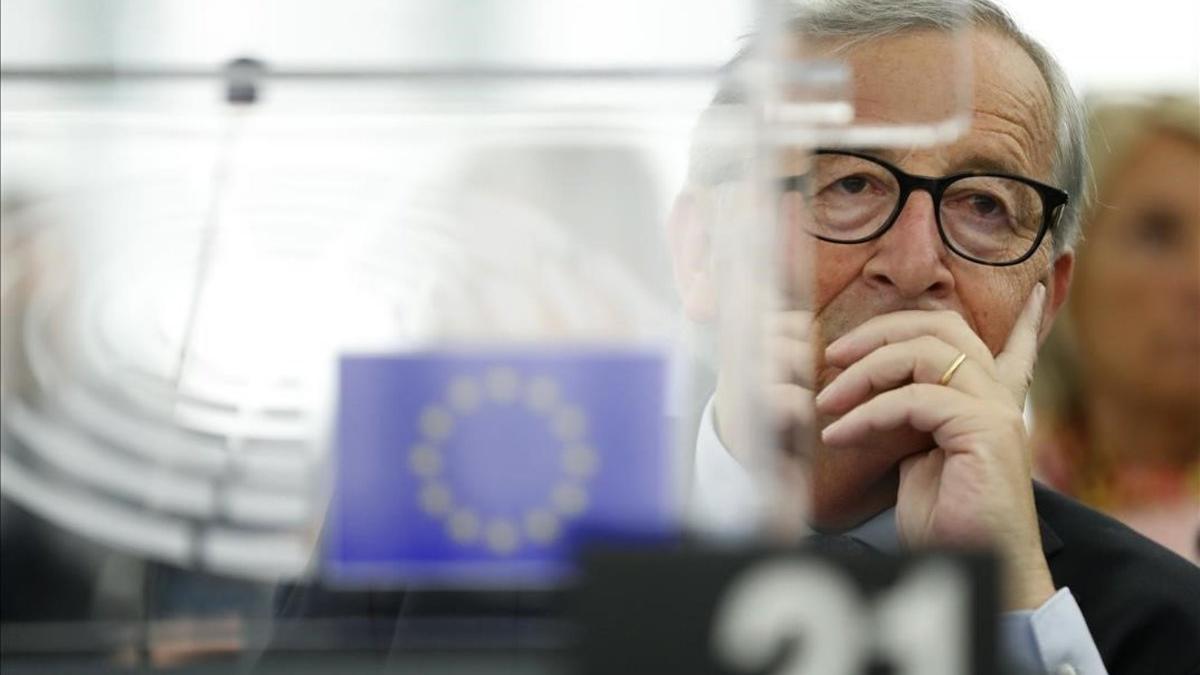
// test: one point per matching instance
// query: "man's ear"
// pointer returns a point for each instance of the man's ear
(1058, 286)
(687, 237)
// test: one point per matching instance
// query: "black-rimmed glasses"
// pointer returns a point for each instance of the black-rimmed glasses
(988, 218)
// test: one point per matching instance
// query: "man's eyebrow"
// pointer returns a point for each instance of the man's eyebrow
(987, 164)
(888, 154)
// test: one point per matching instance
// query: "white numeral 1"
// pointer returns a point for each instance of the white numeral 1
(922, 622)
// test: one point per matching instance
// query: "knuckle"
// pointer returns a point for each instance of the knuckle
(889, 350)
(930, 342)
(989, 366)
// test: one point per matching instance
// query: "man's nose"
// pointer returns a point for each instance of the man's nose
(910, 258)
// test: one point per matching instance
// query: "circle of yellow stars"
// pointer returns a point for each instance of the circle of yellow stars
(540, 525)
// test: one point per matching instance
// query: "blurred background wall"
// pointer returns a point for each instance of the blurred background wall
(1144, 45)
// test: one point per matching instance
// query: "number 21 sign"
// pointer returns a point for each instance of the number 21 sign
(795, 612)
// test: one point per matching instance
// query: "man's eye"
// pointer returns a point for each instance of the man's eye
(985, 205)
(852, 184)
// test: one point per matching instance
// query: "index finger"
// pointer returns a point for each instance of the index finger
(895, 327)
(1014, 363)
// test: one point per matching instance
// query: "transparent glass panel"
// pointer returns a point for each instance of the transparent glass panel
(810, 84)
(420, 327)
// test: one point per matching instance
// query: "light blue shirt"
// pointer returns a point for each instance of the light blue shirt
(1052, 639)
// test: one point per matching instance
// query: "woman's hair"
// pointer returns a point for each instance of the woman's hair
(1117, 126)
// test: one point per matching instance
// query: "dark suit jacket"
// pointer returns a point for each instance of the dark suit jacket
(1141, 601)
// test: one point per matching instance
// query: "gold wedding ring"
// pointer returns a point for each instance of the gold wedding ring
(945, 378)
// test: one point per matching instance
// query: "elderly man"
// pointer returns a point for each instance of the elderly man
(938, 271)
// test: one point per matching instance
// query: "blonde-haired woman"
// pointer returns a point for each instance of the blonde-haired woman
(1117, 392)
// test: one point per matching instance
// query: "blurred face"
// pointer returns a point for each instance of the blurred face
(909, 267)
(1137, 299)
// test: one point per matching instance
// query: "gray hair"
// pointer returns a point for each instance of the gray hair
(854, 21)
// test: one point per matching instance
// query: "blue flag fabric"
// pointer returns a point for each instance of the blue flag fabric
(489, 468)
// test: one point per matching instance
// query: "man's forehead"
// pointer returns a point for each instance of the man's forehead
(930, 76)
(972, 153)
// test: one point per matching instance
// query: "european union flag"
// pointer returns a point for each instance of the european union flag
(490, 467)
